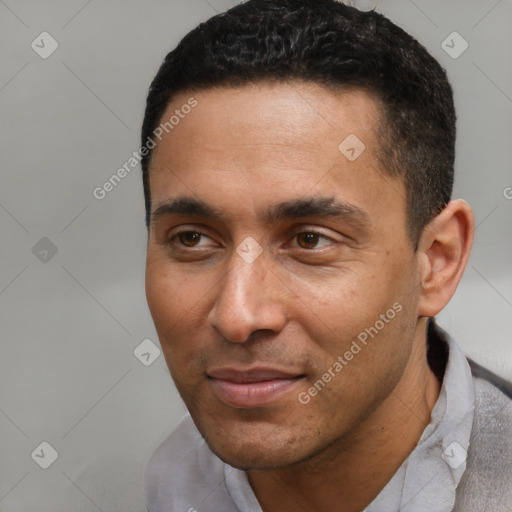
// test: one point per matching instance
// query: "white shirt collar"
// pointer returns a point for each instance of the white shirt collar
(428, 478)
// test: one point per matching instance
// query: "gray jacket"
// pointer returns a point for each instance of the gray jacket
(487, 482)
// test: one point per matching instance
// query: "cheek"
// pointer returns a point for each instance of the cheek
(333, 308)
(171, 300)
(180, 300)
(172, 297)
(338, 309)
(161, 295)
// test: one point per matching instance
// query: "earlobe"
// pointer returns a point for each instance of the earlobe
(443, 253)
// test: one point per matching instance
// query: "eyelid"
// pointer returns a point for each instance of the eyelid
(314, 232)
(291, 235)
(327, 233)
(171, 238)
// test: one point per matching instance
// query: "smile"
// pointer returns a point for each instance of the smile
(254, 388)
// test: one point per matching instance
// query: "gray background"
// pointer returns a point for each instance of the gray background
(71, 321)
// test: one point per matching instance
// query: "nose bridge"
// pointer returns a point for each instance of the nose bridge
(244, 279)
(247, 300)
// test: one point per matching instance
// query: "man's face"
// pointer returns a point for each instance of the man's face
(249, 325)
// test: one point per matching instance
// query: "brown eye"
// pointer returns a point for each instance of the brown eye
(189, 238)
(313, 240)
(307, 240)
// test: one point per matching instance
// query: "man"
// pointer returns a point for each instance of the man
(298, 168)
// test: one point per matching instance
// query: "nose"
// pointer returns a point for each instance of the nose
(250, 298)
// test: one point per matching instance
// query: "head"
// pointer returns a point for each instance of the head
(298, 209)
(341, 48)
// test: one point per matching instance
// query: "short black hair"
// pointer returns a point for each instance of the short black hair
(338, 46)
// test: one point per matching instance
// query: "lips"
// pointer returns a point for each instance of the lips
(251, 388)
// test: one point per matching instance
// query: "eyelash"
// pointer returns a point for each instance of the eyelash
(172, 240)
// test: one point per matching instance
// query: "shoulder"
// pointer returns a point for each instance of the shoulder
(493, 414)
(184, 474)
(177, 448)
(489, 379)
(487, 481)
(492, 424)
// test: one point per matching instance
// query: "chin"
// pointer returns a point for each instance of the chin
(258, 438)
(249, 445)
(248, 455)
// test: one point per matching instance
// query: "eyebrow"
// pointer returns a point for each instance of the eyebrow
(326, 207)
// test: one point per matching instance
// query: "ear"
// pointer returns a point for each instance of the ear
(443, 253)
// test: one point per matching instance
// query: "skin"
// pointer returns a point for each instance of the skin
(303, 301)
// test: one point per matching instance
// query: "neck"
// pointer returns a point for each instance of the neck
(349, 474)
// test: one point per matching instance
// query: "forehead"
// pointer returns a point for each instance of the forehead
(266, 143)
(301, 117)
